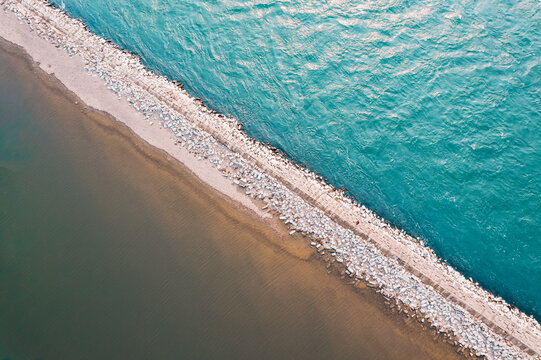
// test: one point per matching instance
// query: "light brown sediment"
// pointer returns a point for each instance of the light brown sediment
(402, 267)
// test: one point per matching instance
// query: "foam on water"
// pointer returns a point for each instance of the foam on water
(427, 112)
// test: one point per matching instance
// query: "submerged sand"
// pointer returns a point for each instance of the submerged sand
(476, 318)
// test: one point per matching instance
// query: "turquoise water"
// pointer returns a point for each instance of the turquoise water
(428, 112)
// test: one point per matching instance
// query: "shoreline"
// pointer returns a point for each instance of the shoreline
(398, 265)
(307, 298)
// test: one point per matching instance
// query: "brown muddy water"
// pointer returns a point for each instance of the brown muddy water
(109, 250)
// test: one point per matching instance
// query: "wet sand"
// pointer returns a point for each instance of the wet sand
(112, 249)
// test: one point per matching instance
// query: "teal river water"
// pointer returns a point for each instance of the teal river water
(428, 112)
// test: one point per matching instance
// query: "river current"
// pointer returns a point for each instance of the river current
(427, 112)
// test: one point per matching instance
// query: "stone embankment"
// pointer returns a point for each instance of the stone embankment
(399, 266)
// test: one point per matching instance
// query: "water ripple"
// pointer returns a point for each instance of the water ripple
(426, 111)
